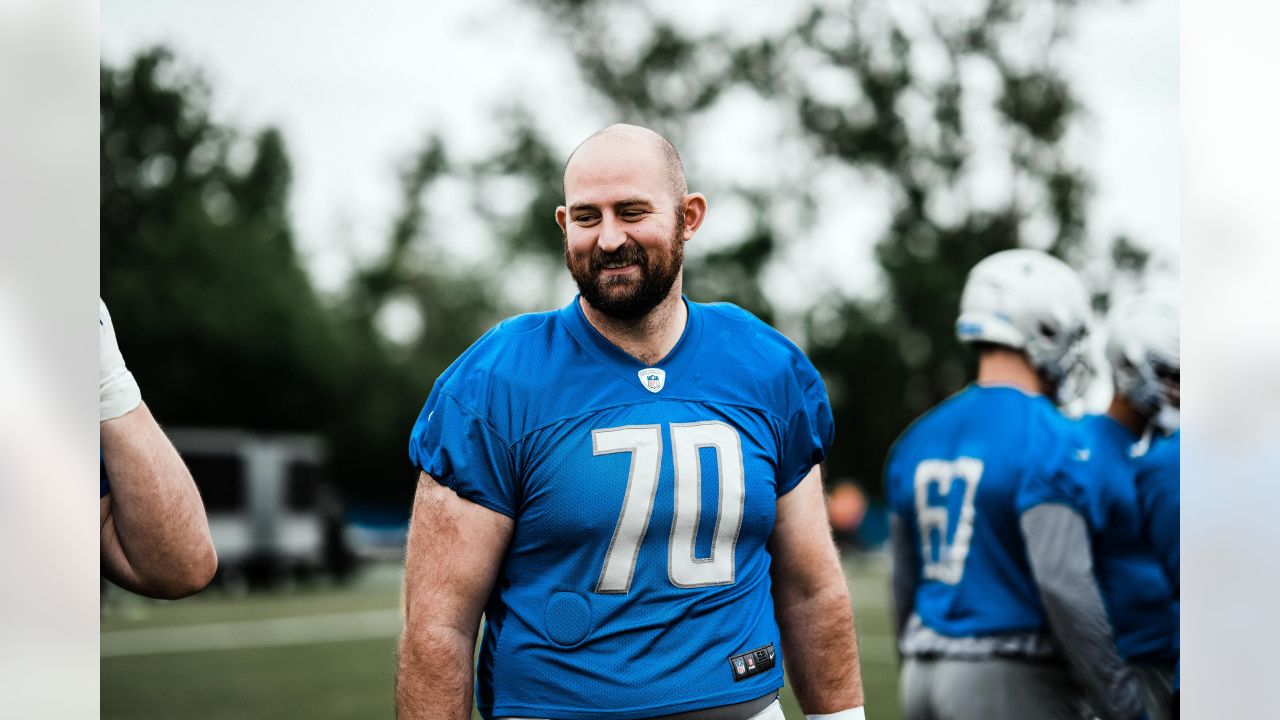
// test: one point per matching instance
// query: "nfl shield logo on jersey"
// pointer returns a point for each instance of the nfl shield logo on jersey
(653, 379)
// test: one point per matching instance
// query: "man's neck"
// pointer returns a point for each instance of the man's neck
(1001, 366)
(649, 338)
(1126, 414)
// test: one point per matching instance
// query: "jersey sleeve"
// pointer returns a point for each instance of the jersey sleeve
(1058, 472)
(460, 450)
(1159, 496)
(809, 431)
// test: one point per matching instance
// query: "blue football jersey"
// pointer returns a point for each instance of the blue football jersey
(1140, 602)
(643, 498)
(1159, 497)
(960, 477)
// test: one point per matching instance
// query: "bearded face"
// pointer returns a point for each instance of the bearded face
(630, 294)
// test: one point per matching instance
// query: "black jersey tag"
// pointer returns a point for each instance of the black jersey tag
(750, 664)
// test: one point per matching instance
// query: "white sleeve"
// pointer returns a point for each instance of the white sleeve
(118, 392)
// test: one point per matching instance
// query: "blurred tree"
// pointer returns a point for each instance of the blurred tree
(440, 308)
(215, 313)
(928, 101)
(950, 121)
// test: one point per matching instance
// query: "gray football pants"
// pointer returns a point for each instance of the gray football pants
(1156, 681)
(993, 689)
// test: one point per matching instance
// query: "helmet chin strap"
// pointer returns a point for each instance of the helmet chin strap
(1141, 447)
(1167, 419)
(1164, 423)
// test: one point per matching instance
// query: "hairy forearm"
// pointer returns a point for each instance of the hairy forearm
(451, 562)
(155, 538)
(433, 675)
(811, 603)
(820, 650)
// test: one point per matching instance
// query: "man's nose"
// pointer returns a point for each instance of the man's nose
(612, 234)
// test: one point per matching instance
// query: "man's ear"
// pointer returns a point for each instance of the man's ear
(694, 207)
(562, 218)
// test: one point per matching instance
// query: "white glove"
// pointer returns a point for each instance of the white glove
(118, 392)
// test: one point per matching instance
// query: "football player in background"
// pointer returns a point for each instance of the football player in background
(1142, 349)
(1159, 498)
(997, 609)
(628, 489)
(154, 535)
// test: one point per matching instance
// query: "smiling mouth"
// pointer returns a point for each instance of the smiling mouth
(620, 270)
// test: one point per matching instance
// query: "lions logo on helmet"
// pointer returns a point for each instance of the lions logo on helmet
(1030, 301)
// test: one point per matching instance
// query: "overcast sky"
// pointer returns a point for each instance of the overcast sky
(355, 91)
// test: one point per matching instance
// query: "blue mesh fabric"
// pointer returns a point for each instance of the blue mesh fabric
(1030, 455)
(512, 425)
(1140, 601)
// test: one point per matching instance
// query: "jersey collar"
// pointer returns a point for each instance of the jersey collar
(625, 365)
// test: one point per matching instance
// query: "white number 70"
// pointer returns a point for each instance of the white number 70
(644, 442)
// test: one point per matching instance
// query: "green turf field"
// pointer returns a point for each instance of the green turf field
(330, 652)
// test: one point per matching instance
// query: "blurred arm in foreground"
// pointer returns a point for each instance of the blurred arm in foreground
(154, 536)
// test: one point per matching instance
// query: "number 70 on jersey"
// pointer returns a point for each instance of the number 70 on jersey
(644, 442)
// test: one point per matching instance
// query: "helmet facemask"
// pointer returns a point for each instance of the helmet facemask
(1061, 358)
(1142, 348)
(1030, 301)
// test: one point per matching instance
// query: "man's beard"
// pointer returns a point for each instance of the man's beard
(622, 298)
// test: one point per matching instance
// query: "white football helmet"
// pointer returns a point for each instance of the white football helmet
(1031, 301)
(1143, 350)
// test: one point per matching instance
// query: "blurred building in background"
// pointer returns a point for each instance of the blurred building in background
(273, 513)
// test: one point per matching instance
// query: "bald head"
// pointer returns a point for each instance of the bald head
(621, 139)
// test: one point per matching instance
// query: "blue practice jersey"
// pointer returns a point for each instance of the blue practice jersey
(1140, 602)
(959, 478)
(637, 576)
(1159, 497)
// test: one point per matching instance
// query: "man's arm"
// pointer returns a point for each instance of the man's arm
(905, 573)
(155, 538)
(1160, 502)
(1058, 548)
(811, 600)
(455, 550)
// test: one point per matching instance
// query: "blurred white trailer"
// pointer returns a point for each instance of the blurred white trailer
(265, 495)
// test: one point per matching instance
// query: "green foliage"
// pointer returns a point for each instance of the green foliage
(214, 313)
(379, 403)
(911, 128)
(526, 157)
(912, 100)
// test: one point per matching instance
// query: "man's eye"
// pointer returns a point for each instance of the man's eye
(631, 214)
(586, 219)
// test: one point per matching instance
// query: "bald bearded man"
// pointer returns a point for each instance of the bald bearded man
(627, 489)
